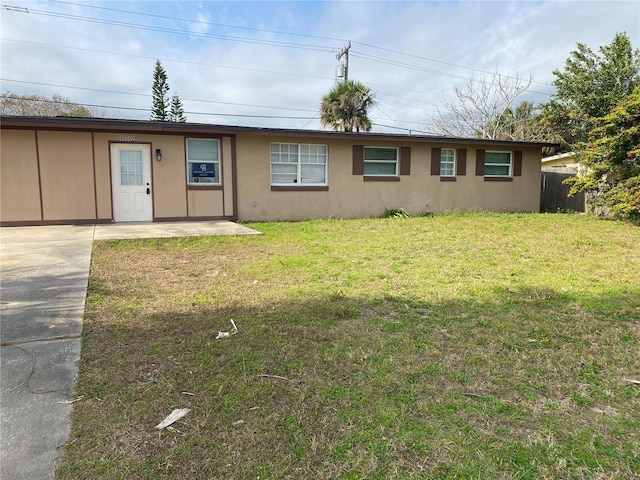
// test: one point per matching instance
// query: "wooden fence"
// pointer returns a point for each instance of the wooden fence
(554, 195)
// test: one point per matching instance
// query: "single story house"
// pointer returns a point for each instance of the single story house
(86, 170)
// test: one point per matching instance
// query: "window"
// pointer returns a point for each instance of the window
(298, 164)
(497, 164)
(203, 162)
(130, 167)
(380, 161)
(447, 162)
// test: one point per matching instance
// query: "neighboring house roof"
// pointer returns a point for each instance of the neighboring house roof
(562, 160)
(563, 163)
(173, 128)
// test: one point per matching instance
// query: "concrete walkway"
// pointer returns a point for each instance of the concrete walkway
(44, 276)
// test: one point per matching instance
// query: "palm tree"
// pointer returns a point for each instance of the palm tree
(522, 124)
(345, 107)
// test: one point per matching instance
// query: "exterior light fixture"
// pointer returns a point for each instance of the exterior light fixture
(158, 154)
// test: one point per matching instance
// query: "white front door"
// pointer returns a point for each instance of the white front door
(131, 182)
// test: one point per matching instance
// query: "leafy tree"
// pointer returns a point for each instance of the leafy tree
(346, 107)
(590, 86)
(612, 158)
(477, 107)
(519, 124)
(39, 106)
(177, 111)
(160, 108)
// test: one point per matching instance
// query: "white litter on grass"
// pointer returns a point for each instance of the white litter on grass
(173, 417)
(233, 331)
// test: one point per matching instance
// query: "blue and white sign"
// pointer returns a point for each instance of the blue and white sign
(203, 170)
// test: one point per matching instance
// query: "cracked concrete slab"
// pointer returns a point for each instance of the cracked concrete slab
(44, 271)
(37, 378)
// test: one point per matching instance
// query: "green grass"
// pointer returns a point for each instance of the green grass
(455, 346)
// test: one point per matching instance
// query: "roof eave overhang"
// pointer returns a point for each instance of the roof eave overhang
(172, 128)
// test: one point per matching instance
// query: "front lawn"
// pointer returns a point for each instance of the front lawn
(455, 346)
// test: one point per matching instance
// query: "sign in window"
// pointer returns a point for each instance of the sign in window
(203, 162)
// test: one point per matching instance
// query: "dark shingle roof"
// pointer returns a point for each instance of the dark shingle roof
(172, 128)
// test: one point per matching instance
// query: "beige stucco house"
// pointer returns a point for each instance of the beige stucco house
(78, 170)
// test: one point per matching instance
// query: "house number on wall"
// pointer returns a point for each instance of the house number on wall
(127, 138)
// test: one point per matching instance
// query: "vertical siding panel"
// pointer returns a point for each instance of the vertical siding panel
(35, 132)
(95, 181)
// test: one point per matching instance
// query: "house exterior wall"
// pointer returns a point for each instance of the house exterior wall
(53, 174)
(350, 196)
(65, 177)
(19, 178)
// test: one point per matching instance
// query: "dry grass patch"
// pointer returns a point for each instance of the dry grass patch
(457, 346)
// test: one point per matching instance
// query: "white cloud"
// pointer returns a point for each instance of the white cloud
(462, 39)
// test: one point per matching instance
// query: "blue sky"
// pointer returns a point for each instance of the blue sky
(269, 63)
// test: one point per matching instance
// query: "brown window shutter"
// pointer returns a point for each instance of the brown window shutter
(358, 160)
(436, 154)
(405, 161)
(480, 163)
(461, 167)
(517, 163)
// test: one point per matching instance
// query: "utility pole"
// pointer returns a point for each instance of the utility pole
(344, 53)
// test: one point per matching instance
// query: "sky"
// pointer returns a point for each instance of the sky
(268, 64)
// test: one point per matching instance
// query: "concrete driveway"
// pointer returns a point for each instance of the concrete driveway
(44, 276)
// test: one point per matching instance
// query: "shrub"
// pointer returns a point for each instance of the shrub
(395, 213)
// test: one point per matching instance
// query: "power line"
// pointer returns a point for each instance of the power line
(409, 130)
(150, 96)
(13, 8)
(439, 61)
(426, 70)
(263, 42)
(112, 107)
(201, 22)
(173, 60)
(213, 65)
(357, 54)
(167, 60)
(274, 43)
(319, 37)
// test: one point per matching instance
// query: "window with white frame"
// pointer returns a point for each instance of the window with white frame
(381, 161)
(447, 162)
(203, 162)
(497, 164)
(295, 164)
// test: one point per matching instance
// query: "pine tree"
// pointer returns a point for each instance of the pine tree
(159, 109)
(177, 111)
